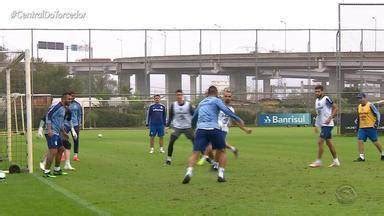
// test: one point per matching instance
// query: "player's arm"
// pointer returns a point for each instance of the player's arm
(165, 116)
(80, 114)
(170, 115)
(357, 120)
(228, 112)
(243, 128)
(149, 112)
(376, 113)
(195, 117)
(191, 109)
(48, 120)
(41, 127)
(334, 110)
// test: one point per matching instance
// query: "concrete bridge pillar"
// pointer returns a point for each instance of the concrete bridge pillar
(381, 82)
(142, 81)
(124, 83)
(267, 88)
(238, 85)
(192, 86)
(172, 83)
(333, 82)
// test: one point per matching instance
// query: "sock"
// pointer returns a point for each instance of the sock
(75, 155)
(56, 168)
(169, 158)
(47, 171)
(189, 171)
(382, 153)
(215, 165)
(67, 162)
(362, 156)
(221, 172)
(233, 148)
(318, 161)
(336, 160)
(44, 160)
(161, 149)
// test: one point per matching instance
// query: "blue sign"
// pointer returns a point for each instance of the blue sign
(284, 119)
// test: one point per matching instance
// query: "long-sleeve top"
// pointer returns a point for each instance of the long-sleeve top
(156, 115)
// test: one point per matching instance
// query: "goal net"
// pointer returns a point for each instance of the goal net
(15, 111)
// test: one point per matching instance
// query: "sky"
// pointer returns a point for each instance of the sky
(171, 14)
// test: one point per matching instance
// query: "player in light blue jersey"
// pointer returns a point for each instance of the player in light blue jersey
(55, 117)
(208, 131)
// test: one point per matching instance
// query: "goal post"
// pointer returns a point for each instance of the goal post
(16, 149)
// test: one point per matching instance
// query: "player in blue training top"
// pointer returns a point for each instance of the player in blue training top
(156, 121)
(208, 131)
(55, 117)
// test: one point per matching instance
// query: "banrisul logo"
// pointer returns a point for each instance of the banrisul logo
(284, 119)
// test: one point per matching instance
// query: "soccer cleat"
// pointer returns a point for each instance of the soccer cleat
(76, 158)
(359, 159)
(382, 157)
(69, 167)
(60, 172)
(187, 179)
(48, 175)
(162, 150)
(236, 152)
(215, 166)
(151, 151)
(42, 166)
(221, 179)
(334, 164)
(315, 164)
(168, 161)
(201, 162)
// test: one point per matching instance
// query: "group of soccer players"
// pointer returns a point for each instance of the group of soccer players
(211, 118)
(367, 122)
(62, 118)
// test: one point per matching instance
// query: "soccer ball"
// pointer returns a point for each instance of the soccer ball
(2, 175)
(100, 135)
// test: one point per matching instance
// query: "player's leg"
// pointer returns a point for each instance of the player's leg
(320, 151)
(160, 134)
(174, 136)
(327, 135)
(201, 142)
(374, 138)
(57, 170)
(52, 143)
(152, 134)
(361, 138)
(232, 149)
(76, 144)
(67, 153)
(217, 138)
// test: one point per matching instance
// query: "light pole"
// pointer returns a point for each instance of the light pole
(179, 42)
(165, 42)
(218, 26)
(285, 34)
(121, 46)
(374, 19)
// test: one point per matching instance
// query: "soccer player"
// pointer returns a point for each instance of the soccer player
(368, 119)
(223, 121)
(208, 131)
(326, 110)
(156, 121)
(77, 117)
(180, 117)
(55, 127)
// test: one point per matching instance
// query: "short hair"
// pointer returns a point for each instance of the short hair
(319, 87)
(212, 90)
(156, 95)
(65, 94)
(228, 90)
(179, 91)
(71, 92)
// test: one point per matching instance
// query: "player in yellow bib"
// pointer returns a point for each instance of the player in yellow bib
(368, 119)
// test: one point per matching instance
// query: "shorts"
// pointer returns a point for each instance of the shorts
(364, 133)
(156, 130)
(188, 132)
(224, 134)
(54, 142)
(326, 132)
(204, 137)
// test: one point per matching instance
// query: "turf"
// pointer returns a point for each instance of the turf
(117, 176)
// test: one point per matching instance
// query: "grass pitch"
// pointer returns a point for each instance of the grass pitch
(117, 176)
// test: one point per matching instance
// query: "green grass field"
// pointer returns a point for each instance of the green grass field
(117, 176)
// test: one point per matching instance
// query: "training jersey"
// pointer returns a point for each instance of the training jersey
(180, 115)
(207, 113)
(368, 115)
(324, 111)
(224, 120)
(156, 115)
(77, 114)
(56, 116)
